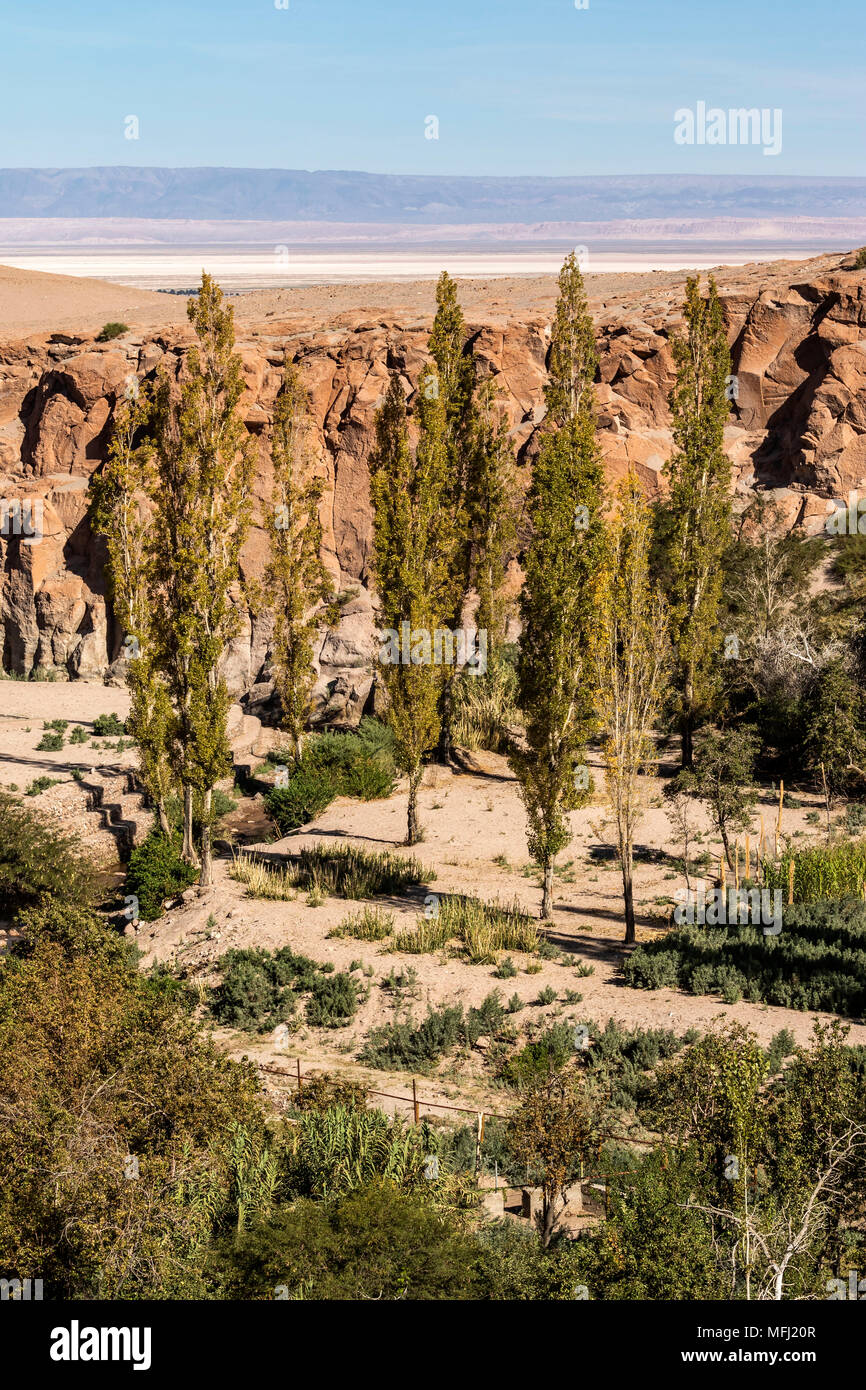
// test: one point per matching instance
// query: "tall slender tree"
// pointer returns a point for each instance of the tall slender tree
(453, 380)
(204, 463)
(695, 519)
(119, 495)
(556, 663)
(298, 583)
(408, 490)
(631, 660)
(491, 517)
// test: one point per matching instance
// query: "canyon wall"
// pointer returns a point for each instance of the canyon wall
(797, 427)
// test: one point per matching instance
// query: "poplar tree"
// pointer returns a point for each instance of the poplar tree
(297, 580)
(408, 491)
(480, 488)
(631, 660)
(454, 382)
(204, 465)
(695, 519)
(562, 567)
(492, 518)
(119, 496)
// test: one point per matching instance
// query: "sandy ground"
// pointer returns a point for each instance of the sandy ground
(474, 842)
(34, 302)
(24, 708)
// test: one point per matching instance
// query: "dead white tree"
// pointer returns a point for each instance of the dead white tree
(780, 1237)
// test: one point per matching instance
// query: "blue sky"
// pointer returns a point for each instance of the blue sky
(518, 86)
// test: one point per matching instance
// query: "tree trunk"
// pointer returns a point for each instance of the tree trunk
(206, 875)
(628, 899)
(443, 751)
(188, 853)
(547, 895)
(162, 816)
(723, 835)
(547, 1219)
(688, 721)
(412, 834)
(687, 746)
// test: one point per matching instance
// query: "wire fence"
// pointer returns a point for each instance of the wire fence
(419, 1103)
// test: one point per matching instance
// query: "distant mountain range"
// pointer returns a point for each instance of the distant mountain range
(415, 199)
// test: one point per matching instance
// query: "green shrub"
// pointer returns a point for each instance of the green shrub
(41, 784)
(156, 872)
(79, 735)
(359, 764)
(547, 1053)
(860, 259)
(58, 725)
(333, 1002)
(38, 861)
(257, 989)
(112, 330)
(817, 962)
(309, 792)
(50, 743)
(404, 1045)
(377, 1242)
(323, 1089)
(108, 725)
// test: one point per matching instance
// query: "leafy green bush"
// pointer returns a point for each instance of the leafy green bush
(111, 330)
(359, 764)
(156, 872)
(309, 792)
(818, 961)
(38, 861)
(257, 990)
(538, 1058)
(374, 1242)
(108, 725)
(50, 743)
(79, 735)
(404, 1045)
(333, 1002)
(41, 784)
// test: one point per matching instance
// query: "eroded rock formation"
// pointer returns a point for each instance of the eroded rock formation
(798, 427)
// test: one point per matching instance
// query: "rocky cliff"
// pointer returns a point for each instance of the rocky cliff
(798, 427)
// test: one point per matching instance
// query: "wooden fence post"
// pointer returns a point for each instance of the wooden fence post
(415, 1101)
